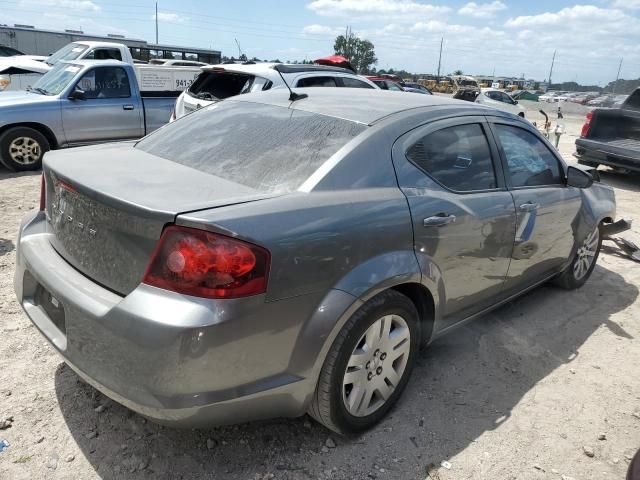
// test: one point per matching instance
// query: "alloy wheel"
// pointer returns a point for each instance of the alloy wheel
(24, 150)
(586, 254)
(376, 365)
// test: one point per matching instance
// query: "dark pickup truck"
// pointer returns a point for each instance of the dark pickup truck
(611, 136)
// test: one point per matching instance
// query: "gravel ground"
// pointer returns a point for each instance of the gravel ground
(546, 387)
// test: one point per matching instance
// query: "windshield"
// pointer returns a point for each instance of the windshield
(267, 148)
(471, 83)
(68, 52)
(56, 79)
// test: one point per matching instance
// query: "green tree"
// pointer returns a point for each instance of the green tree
(360, 52)
(458, 72)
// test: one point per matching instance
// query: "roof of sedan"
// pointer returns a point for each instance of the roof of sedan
(355, 104)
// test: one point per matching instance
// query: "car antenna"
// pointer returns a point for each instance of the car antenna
(293, 95)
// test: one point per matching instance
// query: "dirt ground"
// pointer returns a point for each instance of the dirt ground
(546, 387)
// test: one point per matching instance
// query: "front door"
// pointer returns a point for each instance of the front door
(546, 208)
(463, 216)
(109, 112)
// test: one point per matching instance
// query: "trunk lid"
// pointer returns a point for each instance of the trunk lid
(107, 205)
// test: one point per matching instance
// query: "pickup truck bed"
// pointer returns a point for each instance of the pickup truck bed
(612, 136)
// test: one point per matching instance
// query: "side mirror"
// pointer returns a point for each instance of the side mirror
(77, 94)
(578, 178)
(515, 102)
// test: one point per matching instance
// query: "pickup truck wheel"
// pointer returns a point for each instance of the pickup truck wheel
(583, 263)
(22, 148)
(368, 365)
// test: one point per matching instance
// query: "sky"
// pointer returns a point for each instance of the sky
(509, 38)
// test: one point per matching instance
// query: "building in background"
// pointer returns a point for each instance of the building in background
(33, 41)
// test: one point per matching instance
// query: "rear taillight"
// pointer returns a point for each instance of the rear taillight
(43, 194)
(587, 125)
(204, 264)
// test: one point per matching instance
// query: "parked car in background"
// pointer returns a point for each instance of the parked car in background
(225, 269)
(9, 51)
(611, 136)
(551, 97)
(495, 98)
(602, 101)
(416, 86)
(385, 84)
(218, 82)
(422, 91)
(86, 101)
(176, 63)
(17, 73)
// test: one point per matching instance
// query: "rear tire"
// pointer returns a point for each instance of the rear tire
(22, 148)
(368, 365)
(584, 261)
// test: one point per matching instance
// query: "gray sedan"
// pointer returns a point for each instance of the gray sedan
(264, 257)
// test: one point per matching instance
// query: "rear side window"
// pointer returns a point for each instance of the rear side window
(104, 54)
(529, 160)
(268, 148)
(457, 157)
(317, 82)
(349, 82)
(220, 85)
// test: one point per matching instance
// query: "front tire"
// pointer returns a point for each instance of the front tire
(583, 262)
(368, 365)
(22, 148)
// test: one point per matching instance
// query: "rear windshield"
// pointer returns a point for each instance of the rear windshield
(268, 148)
(220, 85)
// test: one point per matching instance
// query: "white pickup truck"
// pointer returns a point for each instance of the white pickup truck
(21, 71)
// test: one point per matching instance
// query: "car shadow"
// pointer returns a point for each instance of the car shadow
(464, 385)
(5, 173)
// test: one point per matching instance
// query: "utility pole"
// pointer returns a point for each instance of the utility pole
(617, 76)
(156, 23)
(553, 60)
(440, 59)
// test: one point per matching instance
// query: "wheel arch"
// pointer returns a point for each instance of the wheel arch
(39, 127)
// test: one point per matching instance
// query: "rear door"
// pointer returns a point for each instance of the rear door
(111, 111)
(463, 216)
(546, 208)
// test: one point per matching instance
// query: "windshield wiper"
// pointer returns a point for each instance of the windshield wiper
(41, 91)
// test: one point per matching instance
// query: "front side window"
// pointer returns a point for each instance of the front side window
(349, 82)
(457, 157)
(394, 87)
(105, 82)
(529, 161)
(317, 82)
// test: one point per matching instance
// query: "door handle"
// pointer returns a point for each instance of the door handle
(127, 107)
(529, 207)
(439, 220)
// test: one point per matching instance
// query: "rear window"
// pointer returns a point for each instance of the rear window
(220, 85)
(271, 149)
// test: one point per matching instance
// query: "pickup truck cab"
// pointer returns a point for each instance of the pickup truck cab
(18, 72)
(611, 136)
(82, 102)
